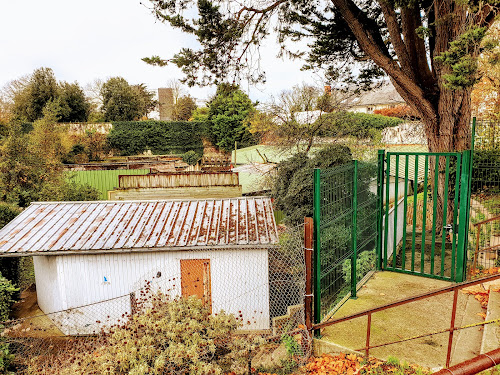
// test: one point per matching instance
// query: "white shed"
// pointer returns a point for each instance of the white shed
(93, 259)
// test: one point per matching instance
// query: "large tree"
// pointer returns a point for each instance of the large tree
(429, 49)
(124, 102)
(227, 118)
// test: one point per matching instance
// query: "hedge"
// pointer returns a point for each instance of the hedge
(361, 125)
(161, 137)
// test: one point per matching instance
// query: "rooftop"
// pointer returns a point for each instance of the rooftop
(46, 228)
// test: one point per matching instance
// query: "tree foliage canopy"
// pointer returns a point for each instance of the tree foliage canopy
(429, 49)
(124, 102)
(293, 185)
(227, 115)
(31, 96)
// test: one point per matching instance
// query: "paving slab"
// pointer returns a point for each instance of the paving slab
(491, 336)
(399, 323)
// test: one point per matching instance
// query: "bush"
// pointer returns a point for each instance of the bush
(190, 157)
(175, 137)
(293, 185)
(7, 291)
(360, 125)
(166, 336)
(5, 357)
(400, 111)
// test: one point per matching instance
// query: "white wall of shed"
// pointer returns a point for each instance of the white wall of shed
(47, 283)
(239, 282)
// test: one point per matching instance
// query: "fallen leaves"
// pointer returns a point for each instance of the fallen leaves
(335, 365)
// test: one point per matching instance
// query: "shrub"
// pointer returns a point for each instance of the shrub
(190, 157)
(7, 291)
(293, 185)
(166, 336)
(175, 137)
(400, 111)
(5, 357)
(360, 125)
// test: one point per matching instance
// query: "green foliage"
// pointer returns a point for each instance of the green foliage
(200, 114)
(293, 185)
(42, 90)
(360, 125)
(7, 291)
(123, 102)
(183, 108)
(227, 115)
(460, 58)
(132, 138)
(364, 263)
(74, 106)
(6, 357)
(30, 101)
(168, 336)
(393, 361)
(191, 157)
(7, 213)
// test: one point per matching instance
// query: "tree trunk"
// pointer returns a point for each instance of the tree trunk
(451, 132)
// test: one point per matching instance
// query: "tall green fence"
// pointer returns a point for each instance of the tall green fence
(103, 180)
(345, 216)
(484, 239)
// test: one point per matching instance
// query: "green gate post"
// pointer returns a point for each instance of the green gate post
(317, 247)
(354, 234)
(380, 205)
(463, 224)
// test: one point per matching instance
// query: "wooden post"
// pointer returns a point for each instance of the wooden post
(308, 252)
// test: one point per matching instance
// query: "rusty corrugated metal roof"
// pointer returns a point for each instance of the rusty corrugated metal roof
(83, 227)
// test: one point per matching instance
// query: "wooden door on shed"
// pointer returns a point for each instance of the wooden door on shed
(195, 280)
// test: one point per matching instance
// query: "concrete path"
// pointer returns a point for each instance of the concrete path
(409, 320)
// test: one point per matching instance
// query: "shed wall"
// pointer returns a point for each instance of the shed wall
(239, 282)
(47, 284)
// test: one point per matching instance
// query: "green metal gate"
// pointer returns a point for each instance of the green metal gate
(345, 232)
(424, 220)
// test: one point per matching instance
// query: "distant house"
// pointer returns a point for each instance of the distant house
(93, 259)
(382, 97)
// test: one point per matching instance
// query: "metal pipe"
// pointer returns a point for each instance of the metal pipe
(474, 365)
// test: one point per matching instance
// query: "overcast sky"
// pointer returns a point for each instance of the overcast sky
(85, 40)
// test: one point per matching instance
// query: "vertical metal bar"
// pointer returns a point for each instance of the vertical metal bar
(463, 215)
(368, 333)
(354, 241)
(386, 228)
(380, 205)
(424, 213)
(415, 207)
(445, 214)
(434, 211)
(317, 246)
(473, 138)
(403, 258)
(452, 327)
(455, 215)
(396, 199)
(308, 252)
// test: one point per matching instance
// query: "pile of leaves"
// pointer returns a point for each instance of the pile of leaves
(350, 364)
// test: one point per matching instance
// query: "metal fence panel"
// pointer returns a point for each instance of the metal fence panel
(345, 231)
(484, 226)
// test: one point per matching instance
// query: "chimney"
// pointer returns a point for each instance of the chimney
(166, 103)
(328, 89)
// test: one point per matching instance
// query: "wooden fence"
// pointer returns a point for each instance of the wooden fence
(179, 179)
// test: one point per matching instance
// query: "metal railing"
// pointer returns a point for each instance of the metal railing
(450, 289)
